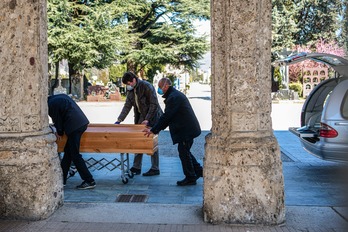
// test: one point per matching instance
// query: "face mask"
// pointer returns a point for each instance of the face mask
(160, 91)
(129, 88)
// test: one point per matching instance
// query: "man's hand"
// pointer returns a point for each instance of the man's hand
(58, 136)
(54, 131)
(147, 131)
(145, 122)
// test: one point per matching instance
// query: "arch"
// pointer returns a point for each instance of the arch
(307, 73)
(307, 80)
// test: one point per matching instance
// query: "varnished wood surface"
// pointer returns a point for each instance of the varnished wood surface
(111, 138)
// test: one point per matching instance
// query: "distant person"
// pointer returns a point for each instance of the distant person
(68, 118)
(142, 97)
(183, 127)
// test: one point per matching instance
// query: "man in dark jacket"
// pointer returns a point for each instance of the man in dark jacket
(68, 118)
(142, 97)
(183, 127)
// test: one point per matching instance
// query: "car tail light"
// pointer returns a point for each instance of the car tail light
(327, 131)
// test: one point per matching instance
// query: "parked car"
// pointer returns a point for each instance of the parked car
(324, 117)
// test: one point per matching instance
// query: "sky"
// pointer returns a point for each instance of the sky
(203, 27)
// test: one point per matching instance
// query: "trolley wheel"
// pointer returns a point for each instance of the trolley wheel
(72, 173)
(125, 180)
(130, 175)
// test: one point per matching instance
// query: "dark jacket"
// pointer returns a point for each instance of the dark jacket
(179, 116)
(66, 114)
(149, 108)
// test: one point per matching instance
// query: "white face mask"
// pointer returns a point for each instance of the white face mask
(129, 88)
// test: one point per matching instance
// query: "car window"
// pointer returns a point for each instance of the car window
(344, 106)
(327, 97)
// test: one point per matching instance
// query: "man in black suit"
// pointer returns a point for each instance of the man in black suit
(68, 118)
(183, 126)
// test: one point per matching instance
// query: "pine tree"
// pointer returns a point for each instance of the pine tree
(83, 33)
(140, 33)
(284, 26)
(162, 32)
(317, 19)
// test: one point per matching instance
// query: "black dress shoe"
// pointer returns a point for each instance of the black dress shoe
(135, 171)
(186, 181)
(151, 172)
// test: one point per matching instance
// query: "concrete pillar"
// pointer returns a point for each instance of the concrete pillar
(30, 174)
(243, 180)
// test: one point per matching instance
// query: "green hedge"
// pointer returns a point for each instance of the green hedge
(297, 87)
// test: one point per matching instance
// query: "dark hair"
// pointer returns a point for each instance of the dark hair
(128, 76)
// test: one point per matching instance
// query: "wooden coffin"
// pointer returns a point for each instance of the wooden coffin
(111, 138)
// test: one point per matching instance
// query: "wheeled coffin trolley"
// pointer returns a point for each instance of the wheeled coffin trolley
(111, 138)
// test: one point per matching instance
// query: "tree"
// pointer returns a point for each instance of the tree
(344, 31)
(162, 32)
(284, 26)
(317, 20)
(116, 72)
(304, 22)
(140, 33)
(84, 33)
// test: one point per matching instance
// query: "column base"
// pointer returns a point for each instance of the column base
(31, 183)
(243, 181)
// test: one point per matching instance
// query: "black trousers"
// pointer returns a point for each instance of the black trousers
(72, 154)
(190, 166)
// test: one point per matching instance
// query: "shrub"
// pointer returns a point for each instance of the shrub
(297, 87)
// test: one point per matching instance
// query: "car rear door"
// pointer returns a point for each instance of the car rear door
(314, 104)
(335, 119)
(312, 110)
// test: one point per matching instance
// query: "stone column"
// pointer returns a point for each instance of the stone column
(30, 173)
(243, 180)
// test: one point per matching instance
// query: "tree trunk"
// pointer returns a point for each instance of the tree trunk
(72, 72)
(56, 74)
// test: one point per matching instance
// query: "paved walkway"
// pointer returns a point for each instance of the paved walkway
(314, 198)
